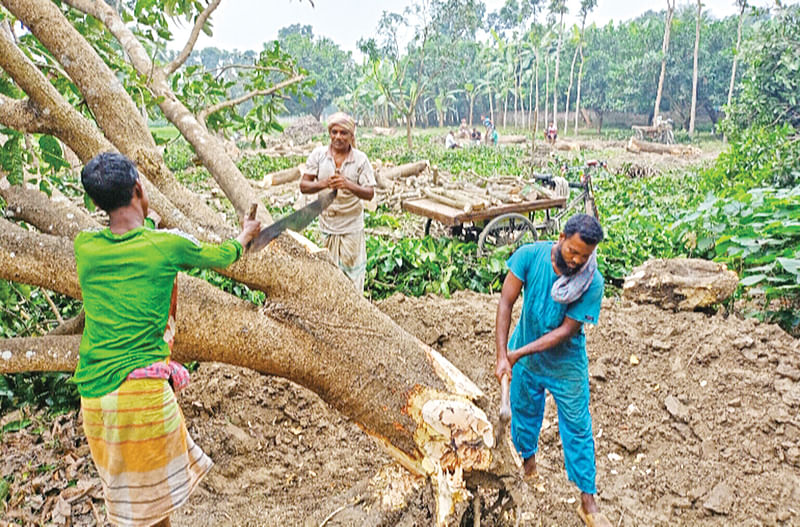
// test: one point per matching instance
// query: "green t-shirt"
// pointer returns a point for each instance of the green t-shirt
(126, 281)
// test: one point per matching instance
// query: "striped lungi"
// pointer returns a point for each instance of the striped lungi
(146, 460)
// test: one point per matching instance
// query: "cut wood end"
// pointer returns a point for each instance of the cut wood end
(309, 246)
(455, 380)
(393, 485)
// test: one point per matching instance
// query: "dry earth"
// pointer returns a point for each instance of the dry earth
(695, 417)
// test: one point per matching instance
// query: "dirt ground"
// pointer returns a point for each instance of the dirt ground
(695, 417)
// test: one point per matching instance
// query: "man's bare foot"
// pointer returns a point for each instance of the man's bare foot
(588, 504)
(529, 465)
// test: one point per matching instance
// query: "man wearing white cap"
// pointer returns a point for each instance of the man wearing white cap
(342, 167)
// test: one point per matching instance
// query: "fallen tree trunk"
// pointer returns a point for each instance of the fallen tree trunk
(512, 139)
(636, 146)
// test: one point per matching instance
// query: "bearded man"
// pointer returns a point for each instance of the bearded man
(342, 167)
(547, 351)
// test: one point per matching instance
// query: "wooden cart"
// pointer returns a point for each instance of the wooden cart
(490, 227)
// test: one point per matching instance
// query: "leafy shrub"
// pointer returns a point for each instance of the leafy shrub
(256, 167)
(419, 266)
(178, 155)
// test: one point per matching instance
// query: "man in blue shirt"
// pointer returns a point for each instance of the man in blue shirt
(547, 351)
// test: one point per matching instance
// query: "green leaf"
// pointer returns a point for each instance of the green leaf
(752, 279)
(792, 265)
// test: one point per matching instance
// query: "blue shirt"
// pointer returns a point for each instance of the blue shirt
(541, 314)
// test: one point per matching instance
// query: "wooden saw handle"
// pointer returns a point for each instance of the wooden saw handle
(505, 400)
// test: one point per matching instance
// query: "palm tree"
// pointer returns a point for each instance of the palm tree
(560, 7)
(742, 6)
(693, 113)
(586, 6)
(664, 51)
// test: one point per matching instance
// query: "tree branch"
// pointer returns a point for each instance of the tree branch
(170, 68)
(48, 353)
(22, 115)
(208, 147)
(205, 112)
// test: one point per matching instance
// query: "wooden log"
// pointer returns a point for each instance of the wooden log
(563, 144)
(283, 176)
(636, 146)
(445, 200)
(401, 171)
(512, 139)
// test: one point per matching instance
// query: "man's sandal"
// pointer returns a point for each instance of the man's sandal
(595, 519)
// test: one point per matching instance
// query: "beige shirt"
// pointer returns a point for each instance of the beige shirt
(346, 213)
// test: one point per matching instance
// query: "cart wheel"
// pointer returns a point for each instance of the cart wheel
(507, 229)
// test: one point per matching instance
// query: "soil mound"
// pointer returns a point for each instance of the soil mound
(695, 417)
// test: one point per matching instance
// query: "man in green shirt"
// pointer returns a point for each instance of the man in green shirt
(145, 458)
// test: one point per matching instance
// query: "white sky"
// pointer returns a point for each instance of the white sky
(247, 24)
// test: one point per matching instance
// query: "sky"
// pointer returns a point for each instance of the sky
(247, 24)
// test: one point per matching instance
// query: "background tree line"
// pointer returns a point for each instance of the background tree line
(523, 63)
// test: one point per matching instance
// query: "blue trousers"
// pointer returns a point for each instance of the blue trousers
(574, 422)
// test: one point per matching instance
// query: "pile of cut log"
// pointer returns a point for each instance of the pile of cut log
(416, 180)
(419, 180)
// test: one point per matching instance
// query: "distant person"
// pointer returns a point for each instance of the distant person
(450, 141)
(561, 291)
(463, 130)
(342, 167)
(494, 136)
(551, 134)
(475, 136)
(147, 462)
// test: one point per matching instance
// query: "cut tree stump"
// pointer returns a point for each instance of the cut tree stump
(680, 284)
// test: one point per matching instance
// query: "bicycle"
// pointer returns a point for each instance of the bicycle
(552, 225)
(515, 228)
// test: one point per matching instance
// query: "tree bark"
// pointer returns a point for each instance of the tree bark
(693, 114)
(569, 86)
(664, 51)
(555, 74)
(742, 6)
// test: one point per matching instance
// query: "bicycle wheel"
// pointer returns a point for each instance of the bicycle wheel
(507, 229)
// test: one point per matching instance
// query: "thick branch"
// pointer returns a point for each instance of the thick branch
(56, 216)
(114, 110)
(22, 115)
(205, 112)
(170, 68)
(37, 259)
(208, 148)
(66, 123)
(72, 326)
(49, 353)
